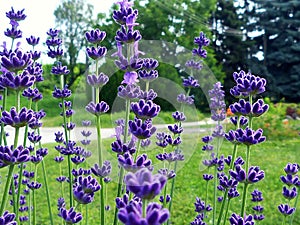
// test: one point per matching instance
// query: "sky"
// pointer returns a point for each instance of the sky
(39, 16)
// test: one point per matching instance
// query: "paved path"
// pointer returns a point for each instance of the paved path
(48, 132)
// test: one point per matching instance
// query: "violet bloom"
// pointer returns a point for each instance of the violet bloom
(178, 116)
(55, 53)
(70, 216)
(33, 41)
(249, 136)
(13, 33)
(291, 168)
(129, 36)
(183, 99)
(84, 189)
(130, 78)
(33, 94)
(200, 206)
(254, 174)
(60, 70)
(148, 76)
(16, 16)
(8, 218)
(286, 210)
(256, 196)
(95, 36)
(247, 84)
(141, 129)
(289, 193)
(97, 81)
(145, 109)
(170, 157)
(196, 65)
(96, 52)
(217, 102)
(150, 64)
(246, 109)
(201, 41)
(145, 185)
(17, 82)
(12, 156)
(148, 95)
(129, 91)
(190, 82)
(102, 171)
(127, 162)
(132, 214)
(98, 108)
(17, 119)
(238, 220)
(61, 93)
(16, 61)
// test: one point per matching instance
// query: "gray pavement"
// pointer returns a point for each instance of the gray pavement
(48, 132)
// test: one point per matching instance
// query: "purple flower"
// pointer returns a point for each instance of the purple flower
(150, 64)
(132, 214)
(217, 103)
(238, 220)
(145, 109)
(148, 95)
(200, 206)
(196, 65)
(141, 129)
(145, 185)
(171, 157)
(246, 109)
(86, 123)
(208, 177)
(233, 193)
(289, 193)
(84, 189)
(291, 168)
(254, 174)
(249, 136)
(118, 147)
(55, 53)
(97, 81)
(289, 179)
(53, 32)
(33, 94)
(175, 129)
(178, 116)
(129, 36)
(16, 16)
(127, 162)
(97, 109)
(190, 82)
(60, 70)
(34, 185)
(286, 210)
(247, 84)
(120, 16)
(17, 119)
(256, 196)
(8, 218)
(13, 33)
(70, 216)
(96, 52)
(129, 91)
(95, 36)
(243, 120)
(130, 78)
(183, 99)
(103, 171)
(16, 61)
(17, 82)
(167, 173)
(33, 41)
(148, 75)
(61, 93)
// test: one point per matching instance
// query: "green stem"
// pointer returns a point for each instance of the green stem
(138, 145)
(18, 101)
(3, 136)
(172, 191)
(222, 207)
(13, 191)
(33, 197)
(19, 188)
(165, 190)
(99, 144)
(71, 180)
(295, 206)
(102, 203)
(245, 190)
(147, 86)
(215, 194)
(86, 214)
(233, 156)
(47, 191)
(144, 207)
(6, 189)
(17, 129)
(226, 212)
(120, 183)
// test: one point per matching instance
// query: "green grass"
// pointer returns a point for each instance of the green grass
(271, 156)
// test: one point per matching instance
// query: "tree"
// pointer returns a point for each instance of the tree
(280, 43)
(73, 17)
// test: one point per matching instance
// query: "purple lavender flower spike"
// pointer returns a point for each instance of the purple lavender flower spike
(129, 36)
(178, 116)
(170, 174)
(238, 220)
(233, 193)
(289, 193)
(200, 206)
(171, 157)
(291, 168)
(61, 93)
(255, 174)
(129, 91)
(148, 95)
(97, 81)
(141, 129)
(130, 78)
(175, 129)
(16, 16)
(53, 32)
(289, 179)
(148, 76)
(145, 143)
(60, 70)
(127, 162)
(249, 136)
(96, 53)
(97, 109)
(17, 82)
(243, 120)
(86, 123)
(17, 119)
(33, 41)
(239, 174)
(207, 139)
(34, 185)
(70, 216)
(189, 100)
(196, 65)
(256, 196)
(190, 82)
(103, 171)
(207, 177)
(84, 189)
(286, 210)
(33, 94)
(13, 33)
(145, 185)
(132, 214)
(145, 109)
(95, 36)
(8, 218)
(150, 64)
(246, 109)
(16, 61)
(55, 53)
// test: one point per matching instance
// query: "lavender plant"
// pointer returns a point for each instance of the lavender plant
(144, 193)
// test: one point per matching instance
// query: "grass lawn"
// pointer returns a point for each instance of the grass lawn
(271, 156)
